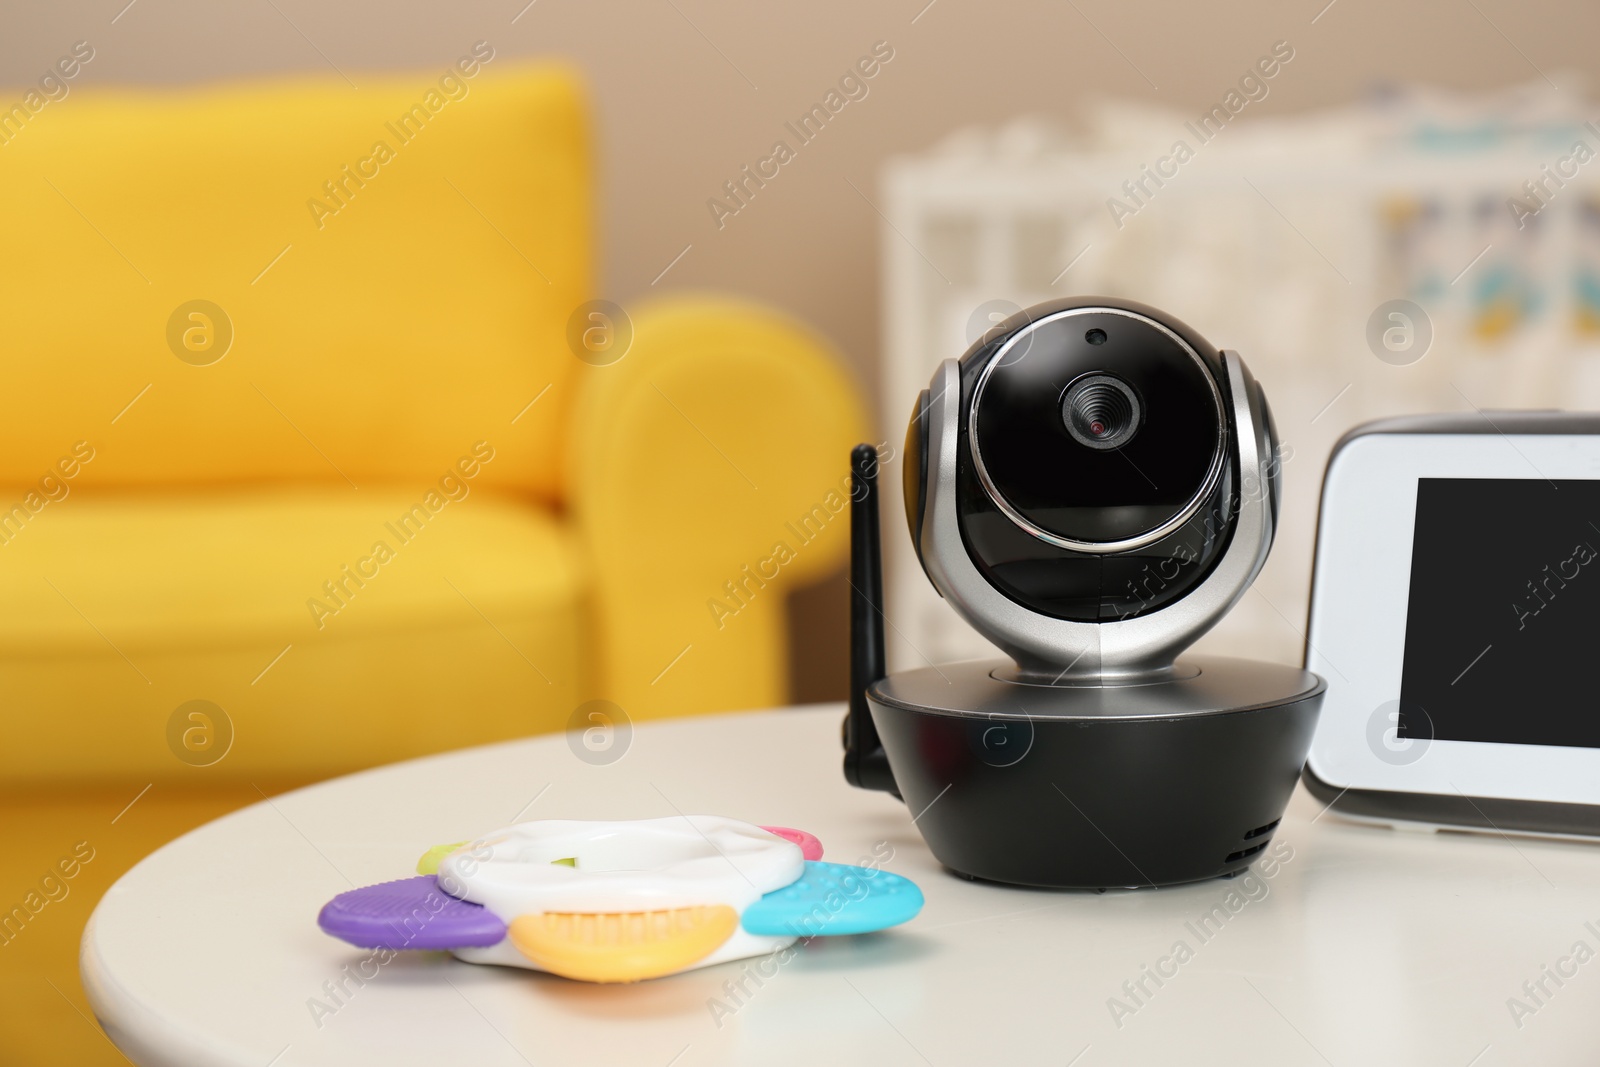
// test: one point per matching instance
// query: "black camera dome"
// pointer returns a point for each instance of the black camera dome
(1093, 471)
(1097, 429)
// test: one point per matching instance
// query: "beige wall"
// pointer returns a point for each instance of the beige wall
(688, 91)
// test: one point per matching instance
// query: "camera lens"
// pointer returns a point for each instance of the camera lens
(1101, 411)
(1095, 337)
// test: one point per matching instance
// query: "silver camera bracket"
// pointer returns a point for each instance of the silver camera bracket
(1058, 651)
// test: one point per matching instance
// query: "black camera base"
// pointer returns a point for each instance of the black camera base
(1096, 787)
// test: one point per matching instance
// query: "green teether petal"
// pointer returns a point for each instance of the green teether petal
(429, 863)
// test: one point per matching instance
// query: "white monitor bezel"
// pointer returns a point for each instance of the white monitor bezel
(1360, 606)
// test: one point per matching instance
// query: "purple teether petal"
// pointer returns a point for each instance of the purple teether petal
(409, 913)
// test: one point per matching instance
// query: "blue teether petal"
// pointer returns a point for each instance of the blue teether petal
(834, 898)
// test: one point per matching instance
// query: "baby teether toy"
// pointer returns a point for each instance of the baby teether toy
(622, 901)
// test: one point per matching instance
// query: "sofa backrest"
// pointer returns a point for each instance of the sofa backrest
(293, 281)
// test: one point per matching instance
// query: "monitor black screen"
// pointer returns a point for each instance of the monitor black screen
(1502, 639)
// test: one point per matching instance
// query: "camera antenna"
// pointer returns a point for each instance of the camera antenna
(866, 765)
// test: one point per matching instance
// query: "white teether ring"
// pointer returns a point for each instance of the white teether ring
(634, 866)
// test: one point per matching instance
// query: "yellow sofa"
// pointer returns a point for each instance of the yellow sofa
(296, 427)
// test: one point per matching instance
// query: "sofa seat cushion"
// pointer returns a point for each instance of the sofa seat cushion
(334, 629)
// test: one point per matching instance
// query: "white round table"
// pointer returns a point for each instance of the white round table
(1365, 946)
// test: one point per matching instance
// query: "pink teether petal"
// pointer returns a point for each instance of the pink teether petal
(810, 847)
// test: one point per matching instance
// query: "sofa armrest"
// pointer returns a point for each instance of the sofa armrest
(708, 474)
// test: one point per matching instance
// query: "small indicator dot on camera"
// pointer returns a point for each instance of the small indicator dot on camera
(1095, 337)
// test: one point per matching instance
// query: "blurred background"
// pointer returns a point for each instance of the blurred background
(660, 262)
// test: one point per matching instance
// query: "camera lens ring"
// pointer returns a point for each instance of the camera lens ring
(1101, 411)
(1219, 456)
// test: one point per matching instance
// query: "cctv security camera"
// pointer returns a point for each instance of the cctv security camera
(1091, 486)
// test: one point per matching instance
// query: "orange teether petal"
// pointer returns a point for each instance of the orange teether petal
(621, 946)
